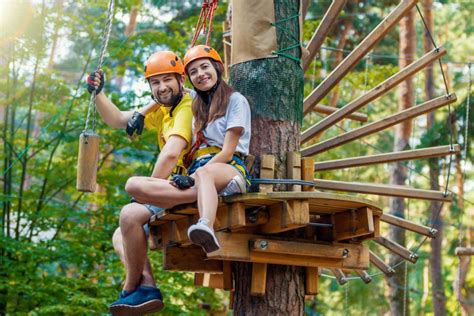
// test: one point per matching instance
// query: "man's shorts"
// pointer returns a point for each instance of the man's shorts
(154, 210)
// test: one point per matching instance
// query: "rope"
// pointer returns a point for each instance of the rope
(105, 41)
(285, 31)
(205, 20)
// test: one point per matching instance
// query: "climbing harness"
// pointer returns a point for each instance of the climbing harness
(204, 23)
(88, 156)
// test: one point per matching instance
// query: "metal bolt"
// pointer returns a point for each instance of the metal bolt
(345, 253)
(263, 244)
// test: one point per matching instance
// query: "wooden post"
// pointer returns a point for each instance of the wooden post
(312, 281)
(307, 172)
(87, 161)
(267, 171)
(259, 279)
(293, 169)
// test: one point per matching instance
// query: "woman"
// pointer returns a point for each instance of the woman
(221, 128)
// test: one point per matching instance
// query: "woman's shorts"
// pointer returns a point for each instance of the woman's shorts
(233, 187)
(154, 210)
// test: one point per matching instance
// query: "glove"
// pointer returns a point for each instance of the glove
(91, 82)
(182, 182)
(135, 123)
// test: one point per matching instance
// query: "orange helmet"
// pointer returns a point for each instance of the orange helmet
(163, 62)
(201, 51)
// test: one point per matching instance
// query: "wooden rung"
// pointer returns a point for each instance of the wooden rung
(374, 127)
(397, 249)
(340, 276)
(311, 281)
(235, 247)
(353, 223)
(381, 265)
(259, 279)
(322, 31)
(382, 189)
(324, 109)
(307, 172)
(405, 224)
(267, 171)
(192, 259)
(387, 158)
(464, 251)
(364, 276)
(357, 54)
(293, 169)
(371, 95)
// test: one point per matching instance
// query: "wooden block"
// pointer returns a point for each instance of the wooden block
(155, 238)
(192, 259)
(353, 223)
(293, 168)
(307, 172)
(235, 247)
(88, 158)
(230, 217)
(179, 231)
(286, 216)
(259, 279)
(210, 280)
(312, 280)
(267, 171)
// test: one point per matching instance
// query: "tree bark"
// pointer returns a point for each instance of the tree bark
(397, 283)
(275, 93)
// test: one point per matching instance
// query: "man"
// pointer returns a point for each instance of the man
(171, 116)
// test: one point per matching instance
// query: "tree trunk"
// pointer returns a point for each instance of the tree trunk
(397, 283)
(434, 208)
(274, 89)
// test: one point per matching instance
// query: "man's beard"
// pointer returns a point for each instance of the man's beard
(172, 100)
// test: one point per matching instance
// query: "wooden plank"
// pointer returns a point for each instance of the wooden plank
(382, 189)
(357, 54)
(304, 7)
(371, 95)
(311, 281)
(324, 109)
(234, 247)
(293, 169)
(353, 223)
(267, 171)
(340, 276)
(464, 251)
(405, 224)
(210, 280)
(364, 276)
(192, 259)
(377, 126)
(285, 216)
(259, 279)
(422, 153)
(228, 283)
(381, 265)
(179, 231)
(397, 249)
(307, 172)
(322, 31)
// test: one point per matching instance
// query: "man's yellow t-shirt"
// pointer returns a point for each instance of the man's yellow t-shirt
(179, 124)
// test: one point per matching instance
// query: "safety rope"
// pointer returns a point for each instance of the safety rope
(204, 23)
(91, 109)
(282, 51)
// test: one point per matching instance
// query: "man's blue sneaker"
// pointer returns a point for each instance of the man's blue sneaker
(143, 300)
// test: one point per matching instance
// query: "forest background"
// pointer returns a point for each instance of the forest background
(56, 251)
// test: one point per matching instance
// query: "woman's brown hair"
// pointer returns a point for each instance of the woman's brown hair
(204, 114)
